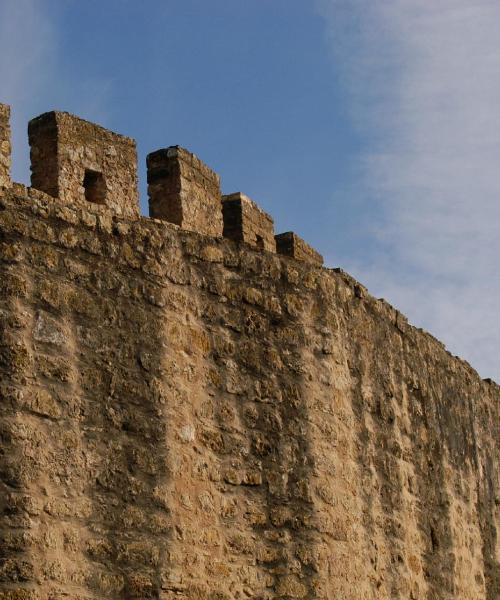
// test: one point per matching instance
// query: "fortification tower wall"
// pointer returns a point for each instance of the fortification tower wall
(185, 416)
(183, 190)
(244, 221)
(5, 149)
(79, 162)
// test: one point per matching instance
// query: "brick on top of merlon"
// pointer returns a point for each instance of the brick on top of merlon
(185, 191)
(5, 146)
(290, 244)
(245, 221)
(80, 162)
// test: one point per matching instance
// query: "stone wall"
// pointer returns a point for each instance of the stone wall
(183, 417)
(290, 244)
(80, 162)
(184, 191)
(245, 222)
(186, 417)
(5, 148)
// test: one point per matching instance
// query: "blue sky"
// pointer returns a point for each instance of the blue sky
(372, 129)
(247, 86)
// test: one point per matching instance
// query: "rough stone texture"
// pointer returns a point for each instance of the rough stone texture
(184, 191)
(290, 244)
(80, 162)
(5, 149)
(245, 222)
(183, 417)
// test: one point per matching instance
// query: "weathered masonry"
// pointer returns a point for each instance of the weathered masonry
(244, 221)
(193, 408)
(76, 161)
(5, 145)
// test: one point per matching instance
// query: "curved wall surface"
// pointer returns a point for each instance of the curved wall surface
(189, 417)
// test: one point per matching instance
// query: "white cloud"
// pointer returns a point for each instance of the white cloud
(424, 85)
(27, 52)
(33, 76)
(26, 43)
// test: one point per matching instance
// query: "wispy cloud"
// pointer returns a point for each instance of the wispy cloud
(424, 86)
(27, 54)
(33, 75)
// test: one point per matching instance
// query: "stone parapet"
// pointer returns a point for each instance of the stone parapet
(244, 221)
(78, 161)
(186, 417)
(5, 146)
(185, 191)
(290, 244)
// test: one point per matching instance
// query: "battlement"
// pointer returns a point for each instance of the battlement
(5, 146)
(193, 408)
(184, 191)
(80, 162)
(244, 221)
(290, 244)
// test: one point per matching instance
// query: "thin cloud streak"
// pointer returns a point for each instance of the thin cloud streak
(33, 76)
(423, 84)
(27, 54)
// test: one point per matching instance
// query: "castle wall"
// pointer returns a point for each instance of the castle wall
(184, 191)
(5, 145)
(185, 418)
(290, 244)
(80, 162)
(244, 221)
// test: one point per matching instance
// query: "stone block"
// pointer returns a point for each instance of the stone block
(244, 221)
(5, 147)
(184, 191)
(80, 162)
(290, 244)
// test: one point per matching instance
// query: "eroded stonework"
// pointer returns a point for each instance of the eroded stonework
(185, 417)
(290, 244)
(80, 162)
(5, 149)
(244, 221)
(184, 191)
